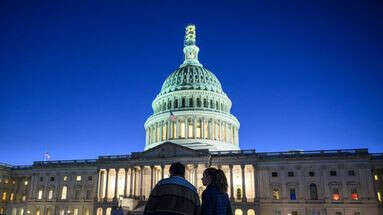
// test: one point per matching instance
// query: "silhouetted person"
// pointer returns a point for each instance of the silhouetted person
(215, 200)
(173, 195)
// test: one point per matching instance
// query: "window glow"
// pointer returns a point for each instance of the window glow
(11, 196)
(376, 177)
(64, 192)
(4, 196)
(276, 195)
(335, 196)
(379, 197)
(75, 211)
(50, 194)
(78, 178)
(37, 211)
(174, 130)
(25, 183)
(65, 178)
(190, 130)
(198, 129)
(40, 195)
(182, 129)
(163, 132)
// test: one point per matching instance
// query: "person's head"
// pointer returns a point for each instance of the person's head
(215, 177)
(177, 169)
(208, 176)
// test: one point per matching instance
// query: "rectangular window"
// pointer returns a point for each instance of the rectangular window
(292, 194)
(78, 178)
(64, 192)
(25, 183)
(335, 194)
(332, 173)
(65, 178)
(354, 194)
(274, 174)
(11, 196)
(40, 195)
(379, 197)
(338, 213)
(311, 174)
(4, 196)
(357, 213)
(376, 177)
(351, 173)
(90, 178)
(88, 194)
(52, 178)
(277, 212)
(294, 213)
(75, 211)
(275, 194)
(24, 198)
(290, 174)
(77, 194)
(50, 194)
(41, 179)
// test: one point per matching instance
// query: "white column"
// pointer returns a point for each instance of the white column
(151, 178)
(231, 182)
(116, 184)
(243, 184)
(107, 185)
(126, 183)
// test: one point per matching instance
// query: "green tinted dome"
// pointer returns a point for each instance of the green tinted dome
(191, 77)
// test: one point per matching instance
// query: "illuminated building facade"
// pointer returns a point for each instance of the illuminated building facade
(192, 124)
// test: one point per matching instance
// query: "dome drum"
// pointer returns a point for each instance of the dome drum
(192, 99)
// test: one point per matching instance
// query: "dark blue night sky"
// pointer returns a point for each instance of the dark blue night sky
(77, 78)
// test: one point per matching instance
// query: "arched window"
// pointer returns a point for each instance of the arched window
(313, 192)
(205, 103)
(176, 103)
(276, 194)
(169, 105)
(182, 129)
(198, 102)
(164, 131)
(99, 211)
(191, 102)
(108, 211)
(40, 194)
(238, 212)
(64, 192)
(239, 193)
(4, 196)
(190, 129)
(183, 103)
(221, 106)
(164, 106)
(216, 132)
(211, 104)
(250, 212)
(198, 129)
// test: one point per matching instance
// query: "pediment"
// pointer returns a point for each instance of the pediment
(168, 150)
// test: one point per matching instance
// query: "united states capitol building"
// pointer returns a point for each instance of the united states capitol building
(191, 123)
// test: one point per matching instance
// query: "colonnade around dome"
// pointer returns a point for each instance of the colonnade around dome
(189, 127)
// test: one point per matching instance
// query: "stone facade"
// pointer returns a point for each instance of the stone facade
(337, 182)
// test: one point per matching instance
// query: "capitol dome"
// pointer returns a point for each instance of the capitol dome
(191, 109)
